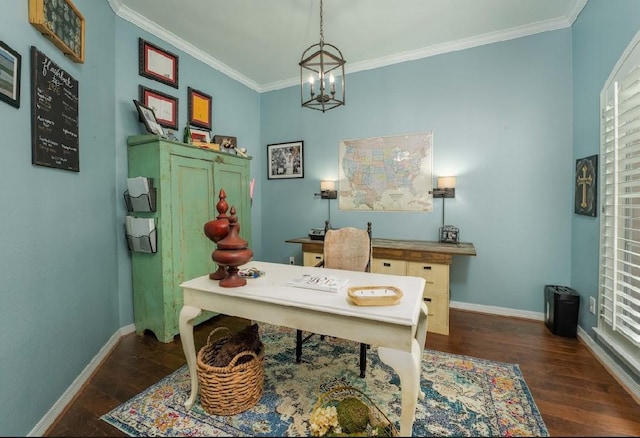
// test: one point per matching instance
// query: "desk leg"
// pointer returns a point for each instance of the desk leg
(187, 315)
(408, 366)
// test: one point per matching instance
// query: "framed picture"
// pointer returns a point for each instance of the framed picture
(198, 135)
(164, 106)
(226, 141)
(586, 190)
(285, 160)
(149, 119)
(157, 64)
(10, 68)
(199, 109)
(62, 23)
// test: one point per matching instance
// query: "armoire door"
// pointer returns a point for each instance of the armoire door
(192, 205)
(233, 179)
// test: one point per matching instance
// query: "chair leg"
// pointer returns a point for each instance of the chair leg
(298, 346)
(363, 359)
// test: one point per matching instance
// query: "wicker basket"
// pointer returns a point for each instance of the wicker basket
(337, 392)
(232, 389)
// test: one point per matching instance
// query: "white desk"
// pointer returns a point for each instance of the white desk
(398, 331)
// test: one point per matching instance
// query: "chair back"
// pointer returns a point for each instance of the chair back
(348, 248)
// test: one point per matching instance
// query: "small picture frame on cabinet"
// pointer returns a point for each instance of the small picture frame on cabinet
(149, 119)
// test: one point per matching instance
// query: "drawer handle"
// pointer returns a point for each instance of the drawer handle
(386, 264)
(429, 300)
(427, 281)
(427, 267)
(318, 257)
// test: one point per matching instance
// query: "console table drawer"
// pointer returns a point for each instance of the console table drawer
(436, 275)
(311, 258)
(438, 312)
(390, 267)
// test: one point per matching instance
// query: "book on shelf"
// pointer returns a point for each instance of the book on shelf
(319, 282)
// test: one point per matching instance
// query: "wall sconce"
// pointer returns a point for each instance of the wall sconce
(328, 190)
(446, 189)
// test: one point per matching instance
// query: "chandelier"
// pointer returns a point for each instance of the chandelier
(322, 62)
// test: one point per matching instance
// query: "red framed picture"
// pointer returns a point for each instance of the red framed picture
(199, 105)
(157, 64)
(164, 106)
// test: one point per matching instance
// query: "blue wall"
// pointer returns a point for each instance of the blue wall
(509, 119)
(600, 35)
(501, 121)
(64, 265)
(59, 233)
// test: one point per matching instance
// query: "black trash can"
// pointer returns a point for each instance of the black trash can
(561, 310)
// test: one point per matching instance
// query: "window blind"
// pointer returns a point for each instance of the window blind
(620, 219)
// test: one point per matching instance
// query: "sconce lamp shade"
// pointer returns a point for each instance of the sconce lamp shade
(446, 187)
(327, 185)
(446, 182)
(328, 190)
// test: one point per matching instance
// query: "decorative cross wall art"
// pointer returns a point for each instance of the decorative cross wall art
(586, 190)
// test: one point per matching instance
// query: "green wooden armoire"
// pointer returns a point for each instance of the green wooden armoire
(187, 180)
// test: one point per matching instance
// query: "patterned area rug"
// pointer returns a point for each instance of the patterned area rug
(464, 396)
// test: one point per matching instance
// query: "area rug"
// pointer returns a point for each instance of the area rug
(464, 396)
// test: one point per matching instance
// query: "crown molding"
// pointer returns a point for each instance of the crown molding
(453, 46)
(438, 49)
(153, 28)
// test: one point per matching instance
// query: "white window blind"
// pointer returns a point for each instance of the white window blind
(620, 220)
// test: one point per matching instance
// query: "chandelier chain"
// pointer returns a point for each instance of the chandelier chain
(321, 31)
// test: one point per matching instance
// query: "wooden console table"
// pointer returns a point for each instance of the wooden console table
(418, 258)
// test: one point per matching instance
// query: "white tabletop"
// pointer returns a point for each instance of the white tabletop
(273, 288)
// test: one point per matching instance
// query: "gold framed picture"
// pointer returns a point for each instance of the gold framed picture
(199, 109)
(62, 23)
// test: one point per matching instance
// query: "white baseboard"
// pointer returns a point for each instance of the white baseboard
(66, 398)
(618, 373)
(494, 310)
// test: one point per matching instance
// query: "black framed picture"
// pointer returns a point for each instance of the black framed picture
(165, 107)
(157, 64)
(10, 68)
(586, 186)
(285, 160)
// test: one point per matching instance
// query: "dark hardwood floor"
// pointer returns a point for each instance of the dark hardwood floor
(574, 392)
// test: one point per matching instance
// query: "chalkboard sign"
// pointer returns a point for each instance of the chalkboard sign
(54, 115)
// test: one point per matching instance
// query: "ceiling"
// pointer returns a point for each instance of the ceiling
(260, 42)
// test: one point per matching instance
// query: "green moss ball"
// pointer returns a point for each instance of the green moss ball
(353, 414)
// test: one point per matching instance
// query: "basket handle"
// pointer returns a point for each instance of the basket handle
(218, 329)
(239, 355)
